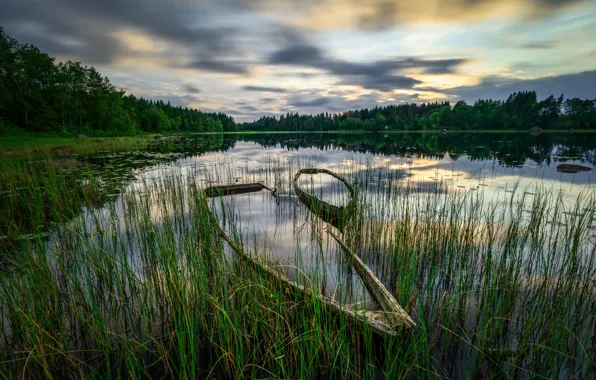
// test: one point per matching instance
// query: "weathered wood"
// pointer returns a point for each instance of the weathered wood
(372, 319)
(337, 216)
(394, 312)
(219, 191)
(571, 169)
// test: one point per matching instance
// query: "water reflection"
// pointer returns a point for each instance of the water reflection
(284, 233)
(492, 168)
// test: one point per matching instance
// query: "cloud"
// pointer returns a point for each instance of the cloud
(580, 85)
(510, 40)
(318, 102)
(539, 45)
(220, 66)
(85, 29)
(378, 75)
(338, 101)
(88, 43)
(249, 108)
(264, 89)
(297, 55)
(381, 14)
(191, 88)
(384, 83)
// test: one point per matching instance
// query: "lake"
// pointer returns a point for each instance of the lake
(478, 235)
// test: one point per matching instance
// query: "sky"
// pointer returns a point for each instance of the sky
(253, 58)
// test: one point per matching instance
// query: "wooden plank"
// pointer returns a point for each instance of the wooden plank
(243, 188)
(394, 312)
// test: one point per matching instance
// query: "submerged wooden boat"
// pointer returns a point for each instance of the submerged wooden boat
(379, 322)
(243, 188)
(571, 168)
(394, 313)
(337, 216)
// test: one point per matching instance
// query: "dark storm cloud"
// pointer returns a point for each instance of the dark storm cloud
(377, 75)
(382, 83)
(219, 66)
(55, 32)
(318, 102)
(249, 108)
(265, 89)
(83, 28)
(191, 88)
(90, 48)
(580, 85)
(300, 54)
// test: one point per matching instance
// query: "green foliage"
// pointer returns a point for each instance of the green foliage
(582, 112)
(66, 98)
(521, 110)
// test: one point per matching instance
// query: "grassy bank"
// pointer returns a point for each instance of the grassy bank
(31, 147)
(144, 288)
(36, 172)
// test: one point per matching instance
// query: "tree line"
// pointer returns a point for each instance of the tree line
(38, 94)
(522, 110)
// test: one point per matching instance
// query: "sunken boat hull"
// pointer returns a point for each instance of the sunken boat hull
(337, 216)
(374, 321)
(572, 169)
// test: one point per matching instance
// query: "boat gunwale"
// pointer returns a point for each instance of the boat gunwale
(378, 328)
(335, 215)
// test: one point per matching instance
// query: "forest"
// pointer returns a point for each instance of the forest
(521, 111)
(42, 96)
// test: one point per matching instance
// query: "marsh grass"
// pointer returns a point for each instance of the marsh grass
(36, 147)
(46, 180)
(143, 287)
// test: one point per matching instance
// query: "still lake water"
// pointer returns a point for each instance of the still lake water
(498, 169)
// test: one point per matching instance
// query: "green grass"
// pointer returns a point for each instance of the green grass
(45, 179)
(145, 288)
